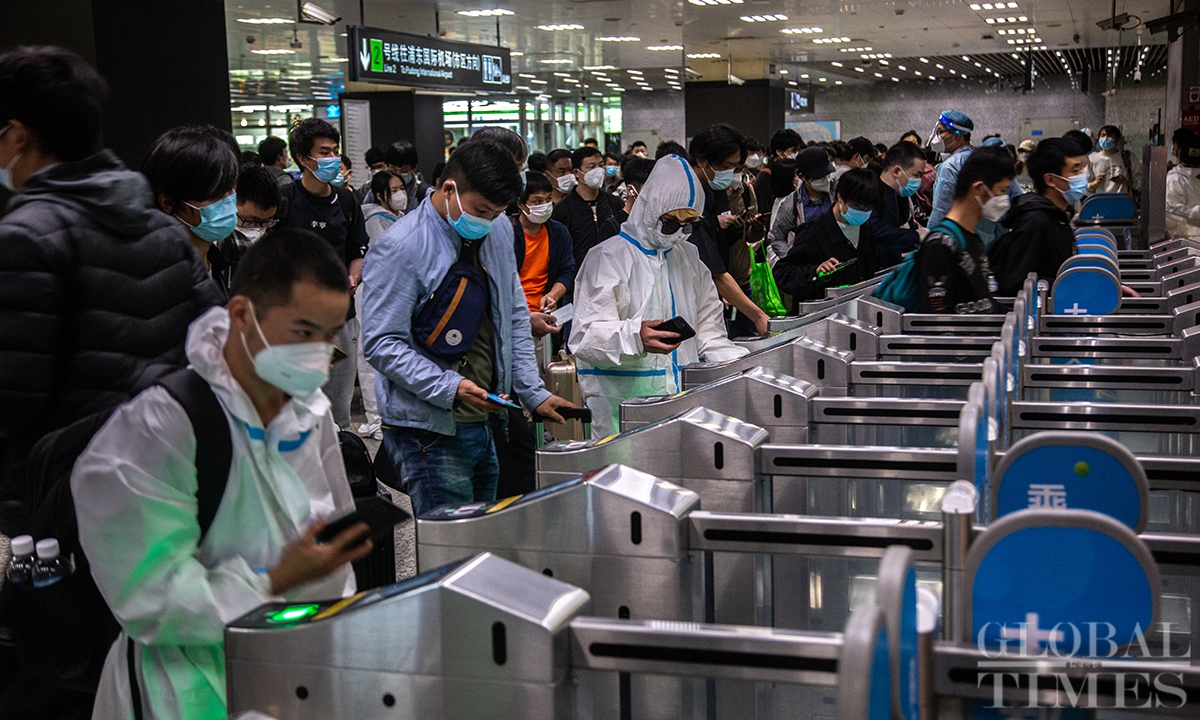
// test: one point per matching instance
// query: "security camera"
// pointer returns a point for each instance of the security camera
(1137, 76)
(735, 80)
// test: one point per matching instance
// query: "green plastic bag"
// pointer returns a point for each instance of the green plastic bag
(762, 285)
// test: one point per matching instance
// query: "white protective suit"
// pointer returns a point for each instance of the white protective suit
(1183, 202)
(636, 276)
(135, 496)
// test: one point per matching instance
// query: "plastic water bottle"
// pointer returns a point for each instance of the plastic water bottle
(20, 569)
(50, 567)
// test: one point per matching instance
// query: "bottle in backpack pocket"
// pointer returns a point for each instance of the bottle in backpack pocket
(51, 566)
(20, 568)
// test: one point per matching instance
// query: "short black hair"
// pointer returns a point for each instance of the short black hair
(583, 153)
(486, 168)
(1081, 140)
(256, 184)
(591, 140)
(670, 147)
(1050, 156)
(273, 265)
(192, 163)
(860, 146)
(989, 164)
(783, 177)
(903, 154)
(911, 133)
(504, 138)
(302, 137)
(535, 182)
(612, 156)
(558, 154)
(249, 157)
(381, 184)
(860, 188)
(717, 142)
(270, 149)
(1112, 131)
(638, 143)
(400, 154)
(373, 156)
(785, 139)
(636, 169)
(347, 163)
(536, 161)
(57, 95)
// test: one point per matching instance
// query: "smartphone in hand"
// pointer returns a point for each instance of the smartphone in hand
(501, 401)
(679, 326)
(380, 516)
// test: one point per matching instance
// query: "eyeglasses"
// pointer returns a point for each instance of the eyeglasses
(670, 226)
(255, 224)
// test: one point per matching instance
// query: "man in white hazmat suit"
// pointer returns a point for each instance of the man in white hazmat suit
(265, 357)
(632, 282)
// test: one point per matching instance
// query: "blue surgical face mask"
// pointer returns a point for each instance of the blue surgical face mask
(327, 168)
(467, 225)
(911, 186)
(406, 178)
(1107, 143)
(1078, 186)
(217, 221)
(611, 170)
(340, 179)
(854, 216)
(721, 180)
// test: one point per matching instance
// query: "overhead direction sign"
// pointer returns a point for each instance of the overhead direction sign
(394, 58)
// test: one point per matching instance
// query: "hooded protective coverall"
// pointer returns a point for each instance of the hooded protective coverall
(135, 497)
(638, 275)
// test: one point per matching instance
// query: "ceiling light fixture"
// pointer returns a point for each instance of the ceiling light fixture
(821, 79)
(837, 82)
(495, 12)
(569, 26)
(835, 63)
(634, 72)
(599, 67)
(804, 76)
(764, 18)
(516, 53)
(278, 51)
(801, 31)
(856, 49)
(619, 38)
(556, 61)
(858, 69)
(716, 2)
(663, 48)
(703, 56)
(266, 21)
(539, 82)
(527, 76)
(828, 41)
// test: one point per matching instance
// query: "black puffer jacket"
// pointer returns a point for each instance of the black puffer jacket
(97, 289)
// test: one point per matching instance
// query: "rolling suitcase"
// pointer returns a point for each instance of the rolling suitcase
(561, 380)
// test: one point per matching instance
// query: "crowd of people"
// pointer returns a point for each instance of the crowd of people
(284, 278)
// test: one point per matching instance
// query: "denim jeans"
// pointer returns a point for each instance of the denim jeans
(440, 469)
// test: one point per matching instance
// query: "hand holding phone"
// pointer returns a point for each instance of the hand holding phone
(379, 515)
(501, 401)
(679, 326)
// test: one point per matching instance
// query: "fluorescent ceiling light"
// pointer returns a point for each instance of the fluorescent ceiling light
(648, 89)
(266, 21)
(277, 51)
(704, 56)
(764, 18)
(527, 76)
(702, 3)
(801, 31)
(569, 26)
(828, 41)
(539, 82)
(517, 53)
(821, 79)
(495, 12)
(619, 38)
(835, 63)
(599, 67)
(556, 61)
(634, 72)
(867, 48)
(562, 75)
(663, 48)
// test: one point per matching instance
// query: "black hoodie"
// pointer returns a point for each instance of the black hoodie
(97, 289)
(1039, 240)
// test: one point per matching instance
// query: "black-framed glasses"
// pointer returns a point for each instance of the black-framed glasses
(257, 224)
(670, 226)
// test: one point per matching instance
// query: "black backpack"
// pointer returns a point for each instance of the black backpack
(63, 632)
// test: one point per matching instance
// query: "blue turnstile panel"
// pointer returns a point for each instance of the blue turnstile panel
(1086, 291)
(1060, 470)
(1107, 206)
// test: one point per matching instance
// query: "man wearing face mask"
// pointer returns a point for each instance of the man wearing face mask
(401, 159)
(810, 200)
(331, 211)
(821, 255)
(892, 221)
(172, 587)
(952, 269)
(543, 247)
(1040, 237)
(630, 283)
(715, 154)
(1183, 190)
(258, 200)
(1112, 168)
(447, 323)
(851, 155)
(951, 138)
(585, 208)
(559, 171)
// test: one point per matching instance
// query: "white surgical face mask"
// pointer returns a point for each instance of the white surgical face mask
(251, 234)
(298, 369)
(753, 161)
(821, 186)
(594, 178)
(398, 201)
(540, 213)
(565, 183)
(995, 207)
(937, 144)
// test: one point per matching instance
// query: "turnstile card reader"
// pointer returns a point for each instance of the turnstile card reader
(479, 638)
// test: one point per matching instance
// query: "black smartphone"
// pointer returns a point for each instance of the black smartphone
(380, 516)
(678, 326)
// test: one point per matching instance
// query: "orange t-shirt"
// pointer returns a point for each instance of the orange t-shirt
(535, 271)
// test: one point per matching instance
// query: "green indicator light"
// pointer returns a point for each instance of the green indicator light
(292, 614)
(1082, 469)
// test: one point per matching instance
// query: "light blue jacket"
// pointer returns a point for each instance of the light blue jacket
(400, 272)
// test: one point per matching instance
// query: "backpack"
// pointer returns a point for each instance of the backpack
(64, 631)
(900, 286)
(446, 325)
